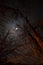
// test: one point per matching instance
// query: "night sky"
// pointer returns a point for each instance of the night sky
(33, 10)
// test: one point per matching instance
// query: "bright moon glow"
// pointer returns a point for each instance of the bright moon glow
(16, 28)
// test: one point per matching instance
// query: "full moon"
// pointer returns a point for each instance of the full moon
(16, 28)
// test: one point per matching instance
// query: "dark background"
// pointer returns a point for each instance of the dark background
(33, 10)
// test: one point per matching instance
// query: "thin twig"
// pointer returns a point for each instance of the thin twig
(3, 41)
